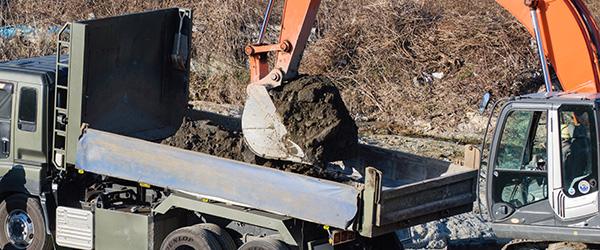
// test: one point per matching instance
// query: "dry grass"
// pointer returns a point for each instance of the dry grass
(380, 53)
(382, 63)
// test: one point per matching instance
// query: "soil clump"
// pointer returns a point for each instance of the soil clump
(205, 137)
(313, 112)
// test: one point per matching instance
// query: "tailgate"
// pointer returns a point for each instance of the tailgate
(402, 190)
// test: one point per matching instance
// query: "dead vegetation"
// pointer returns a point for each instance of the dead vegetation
(386, 56)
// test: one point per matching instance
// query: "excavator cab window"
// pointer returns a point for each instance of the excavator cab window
(578, 152)
(520, 174)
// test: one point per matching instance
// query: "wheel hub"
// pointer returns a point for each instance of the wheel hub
(19, 229)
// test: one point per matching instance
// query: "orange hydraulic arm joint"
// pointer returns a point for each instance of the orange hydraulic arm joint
(569, 37)
(296, 24)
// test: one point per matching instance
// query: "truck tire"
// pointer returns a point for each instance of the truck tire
(220, 234)
(387, 241)
(23, 225)
(264, 244)
(187, 238)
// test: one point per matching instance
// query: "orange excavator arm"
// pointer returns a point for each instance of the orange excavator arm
(570, 39)
(296, 24)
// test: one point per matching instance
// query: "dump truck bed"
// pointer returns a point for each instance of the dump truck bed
(396, 189)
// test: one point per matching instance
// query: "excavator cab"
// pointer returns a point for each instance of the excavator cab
(542, 179)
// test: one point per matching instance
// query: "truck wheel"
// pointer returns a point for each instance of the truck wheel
(190, 238)
(387, 241)
(220, 234)
(23, 225)
(264, 244)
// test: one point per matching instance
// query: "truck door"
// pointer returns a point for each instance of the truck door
(30, 148)
(6, 133)
(6, 103)
(574, 179)
(518, 174)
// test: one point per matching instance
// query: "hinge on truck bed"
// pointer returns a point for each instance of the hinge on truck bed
(179, 56)
(472, 157)
(373, 180)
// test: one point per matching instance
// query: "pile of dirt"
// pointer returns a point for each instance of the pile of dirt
(316, 118)
(205, 137)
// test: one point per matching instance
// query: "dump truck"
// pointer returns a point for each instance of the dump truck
(82, 166)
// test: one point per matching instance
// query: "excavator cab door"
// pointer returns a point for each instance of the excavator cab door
(573, 179)
(543, 167)
(517, 181)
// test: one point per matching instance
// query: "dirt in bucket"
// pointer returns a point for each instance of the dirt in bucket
(316, 118)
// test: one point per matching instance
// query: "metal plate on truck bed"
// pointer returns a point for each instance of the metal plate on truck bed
(272, 190)
(74, 228)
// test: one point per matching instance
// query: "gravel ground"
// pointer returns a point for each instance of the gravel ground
(434, 148)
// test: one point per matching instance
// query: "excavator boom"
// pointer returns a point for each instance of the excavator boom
(570, 40)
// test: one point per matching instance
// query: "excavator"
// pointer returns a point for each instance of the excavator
(542, 173)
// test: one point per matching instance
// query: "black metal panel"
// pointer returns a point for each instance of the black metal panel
(4, 138)
(131, 86)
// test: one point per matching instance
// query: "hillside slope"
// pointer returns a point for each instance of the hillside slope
(385, 55)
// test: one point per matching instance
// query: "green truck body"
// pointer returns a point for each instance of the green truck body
(126, 78)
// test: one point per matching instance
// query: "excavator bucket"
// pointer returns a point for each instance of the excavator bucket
(263, 130)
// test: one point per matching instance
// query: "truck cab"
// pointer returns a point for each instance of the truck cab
(543, 168)
(26, 90)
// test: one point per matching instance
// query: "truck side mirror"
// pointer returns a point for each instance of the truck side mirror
(484, 102)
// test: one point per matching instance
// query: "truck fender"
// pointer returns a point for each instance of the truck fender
(16, 181)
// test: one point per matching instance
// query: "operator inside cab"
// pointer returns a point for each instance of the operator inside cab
(576, 148)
